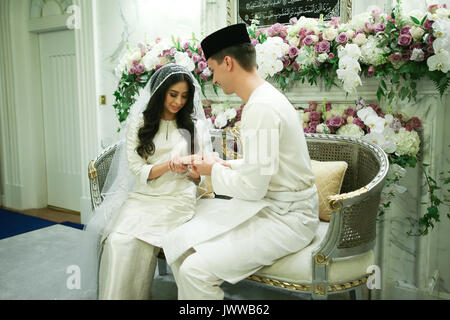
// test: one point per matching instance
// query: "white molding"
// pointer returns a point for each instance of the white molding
(47, 24)
(87, 101)
(11, 178)
(302, 93)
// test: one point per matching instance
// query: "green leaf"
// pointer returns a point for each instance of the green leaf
(423, 20)
(416, 21)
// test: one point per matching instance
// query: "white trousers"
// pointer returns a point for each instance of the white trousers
(127, 268)
(194, 278)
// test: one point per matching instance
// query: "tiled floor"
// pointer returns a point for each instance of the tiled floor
(51, 214)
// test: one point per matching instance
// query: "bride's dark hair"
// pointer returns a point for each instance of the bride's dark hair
(153, 113)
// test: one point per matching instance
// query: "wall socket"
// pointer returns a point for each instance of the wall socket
(103, 99)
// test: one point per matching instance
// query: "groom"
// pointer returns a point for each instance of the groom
(274, 210)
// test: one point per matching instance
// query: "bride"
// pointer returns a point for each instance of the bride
(150, 189)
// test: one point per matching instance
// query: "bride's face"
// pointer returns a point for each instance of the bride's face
(176, 97)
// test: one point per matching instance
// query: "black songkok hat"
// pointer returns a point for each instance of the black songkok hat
(224, 38)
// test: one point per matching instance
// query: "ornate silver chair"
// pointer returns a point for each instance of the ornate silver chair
(340, 256)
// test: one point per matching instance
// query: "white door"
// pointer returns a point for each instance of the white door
(61, 120)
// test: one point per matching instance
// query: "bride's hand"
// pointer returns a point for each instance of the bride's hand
(189, 159)
(177, 166)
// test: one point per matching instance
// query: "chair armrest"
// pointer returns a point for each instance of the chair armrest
(96, 198)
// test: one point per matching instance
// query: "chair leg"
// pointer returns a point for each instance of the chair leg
(162, 267)
(356, 294)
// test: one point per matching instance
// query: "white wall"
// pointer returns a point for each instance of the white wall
(119, 22)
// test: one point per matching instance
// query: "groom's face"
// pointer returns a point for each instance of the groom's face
(221, 74)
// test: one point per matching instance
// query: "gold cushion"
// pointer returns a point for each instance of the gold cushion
(205, 189)
(329, 177)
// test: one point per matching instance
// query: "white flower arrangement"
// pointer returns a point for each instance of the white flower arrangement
(351, 130)
(441, 60)
(349, 67)
(269, 54)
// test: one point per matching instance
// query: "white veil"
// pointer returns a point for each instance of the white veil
(120, 180)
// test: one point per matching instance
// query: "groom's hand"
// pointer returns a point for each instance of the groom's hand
(204, 166)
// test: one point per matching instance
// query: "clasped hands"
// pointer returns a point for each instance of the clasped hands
(199, 165)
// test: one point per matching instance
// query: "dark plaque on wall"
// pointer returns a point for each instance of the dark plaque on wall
(269, 12)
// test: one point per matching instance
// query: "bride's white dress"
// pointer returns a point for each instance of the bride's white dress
(155, 207)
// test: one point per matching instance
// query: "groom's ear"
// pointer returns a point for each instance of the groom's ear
(229, 63)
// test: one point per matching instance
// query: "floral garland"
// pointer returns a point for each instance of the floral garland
(396, 48)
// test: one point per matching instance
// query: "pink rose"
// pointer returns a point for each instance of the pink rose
(380, 27)
(430, 39)
(322, 46)
(312, 105)
(308, 41)
(406, 55)
(314, 116)
(369, 27)
(415, 123)
(342, 38)
(328, 106)
(202, 65)
(432, 8)
(428, 24)
(371, 71)
(295, 66)
(358, 122)
(405, 30)
(350, 112)
(293, 52)
(404, 40)
(277, 27)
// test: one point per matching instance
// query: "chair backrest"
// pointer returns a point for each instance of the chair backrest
(98, 171)
(361, 189)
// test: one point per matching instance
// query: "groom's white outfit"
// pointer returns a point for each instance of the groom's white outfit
(274, 210)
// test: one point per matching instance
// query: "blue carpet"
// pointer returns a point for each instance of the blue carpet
(13, 223)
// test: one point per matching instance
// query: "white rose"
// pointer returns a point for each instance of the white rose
(442, 13)
(330, 34)
(230, 114)
(322, 57)
(322, 128)
(351, 130)
(306, 116)
(416, 32)
(206, 72)
(150, 61)
(389, 119)
(119, 70)
(133, 56)
(417, 55)
(294, 41)
(221, 121)
(182, 58)
(350, 33)
(360, 39)
(314, 38)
